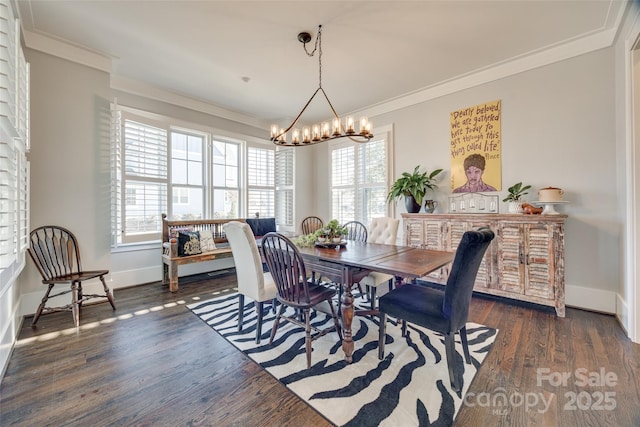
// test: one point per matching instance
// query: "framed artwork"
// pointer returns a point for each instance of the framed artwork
(476, 147)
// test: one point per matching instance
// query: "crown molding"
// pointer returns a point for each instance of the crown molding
(510, 67)
(157, 93)
(67, 51)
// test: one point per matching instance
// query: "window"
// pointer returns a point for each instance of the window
(187, 173)
(226, 173)
(14, 144)
(359, 174)
(144, 180)
(284, 173)
(260, 181)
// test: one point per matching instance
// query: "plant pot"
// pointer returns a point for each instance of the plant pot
(337, 239)
(515, 207)
(411, 205)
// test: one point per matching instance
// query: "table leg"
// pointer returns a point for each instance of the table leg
(347, 314)
(347, 320)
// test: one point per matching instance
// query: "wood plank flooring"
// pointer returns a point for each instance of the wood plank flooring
(153, 363)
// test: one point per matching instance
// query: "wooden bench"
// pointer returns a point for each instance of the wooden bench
(170, 258)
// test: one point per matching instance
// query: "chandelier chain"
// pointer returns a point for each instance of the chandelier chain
(317, 47)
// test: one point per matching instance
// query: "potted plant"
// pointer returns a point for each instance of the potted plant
(516, 191)
(333, 231)
(413, 187)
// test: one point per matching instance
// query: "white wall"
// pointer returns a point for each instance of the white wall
(558, 128)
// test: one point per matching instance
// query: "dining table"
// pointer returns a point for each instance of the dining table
(340, 263)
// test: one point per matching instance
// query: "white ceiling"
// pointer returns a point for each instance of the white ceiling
(244, 56)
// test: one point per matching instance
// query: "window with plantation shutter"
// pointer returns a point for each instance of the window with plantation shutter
(226, 178)
(160, 165)
(14, 143)
(260, 181)
(284, 173)
(145, 180)
(359, 177)
(23, 202)
(8, 199)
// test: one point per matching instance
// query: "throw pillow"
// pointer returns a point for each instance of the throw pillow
(207, 244)
(173, 232)
(188, 243)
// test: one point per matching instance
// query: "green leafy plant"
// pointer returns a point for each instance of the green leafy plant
(306, 240)
(516, 191)
(413, 184)
(332, 229)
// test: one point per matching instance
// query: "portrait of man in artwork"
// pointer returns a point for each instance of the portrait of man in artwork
(474, 166)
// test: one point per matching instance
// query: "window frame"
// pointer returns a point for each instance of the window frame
(384, 133)
(243, 143)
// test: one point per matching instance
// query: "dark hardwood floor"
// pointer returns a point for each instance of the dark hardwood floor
(153, 363)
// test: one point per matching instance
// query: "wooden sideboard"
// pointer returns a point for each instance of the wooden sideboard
(524, 262)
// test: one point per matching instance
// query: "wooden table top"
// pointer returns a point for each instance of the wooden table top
(391, 259)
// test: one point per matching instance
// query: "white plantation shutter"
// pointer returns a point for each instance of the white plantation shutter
(260, 181)
(8, 200)
(359, 176)
(14, 134)
(145, 180)
(24, 182)
(284, 173)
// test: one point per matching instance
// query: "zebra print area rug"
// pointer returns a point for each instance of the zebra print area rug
(409, 387)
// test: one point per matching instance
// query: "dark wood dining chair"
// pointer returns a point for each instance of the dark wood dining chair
(311, 224)
(356, 231)
(56, 254)
(294, 290)
(441, 310)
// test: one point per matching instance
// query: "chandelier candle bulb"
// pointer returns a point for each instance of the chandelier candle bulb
(306, 134)
(296, 136)
(325, 130)
(315, 133)
(283, 136)
(336, 126)
(363, 126)
(350, 125)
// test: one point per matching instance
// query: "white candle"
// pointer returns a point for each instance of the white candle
(350, 125)
(336, 127)
(315, 133)
(325, 130)
(363, 126)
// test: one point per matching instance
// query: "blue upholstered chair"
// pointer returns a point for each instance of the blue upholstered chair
(441, 310)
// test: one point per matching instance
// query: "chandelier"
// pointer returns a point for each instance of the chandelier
(325, 131)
